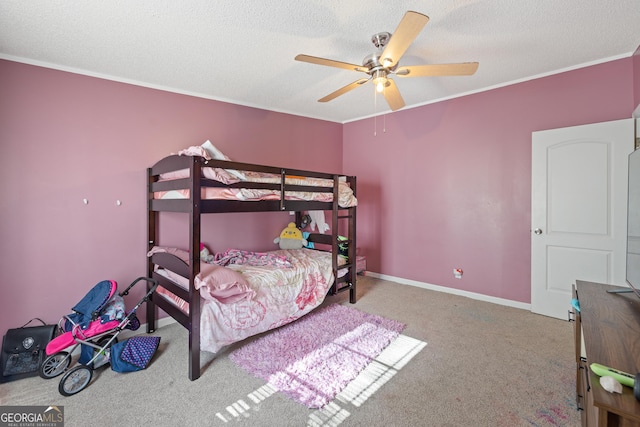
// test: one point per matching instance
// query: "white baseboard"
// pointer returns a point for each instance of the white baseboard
(473, 295)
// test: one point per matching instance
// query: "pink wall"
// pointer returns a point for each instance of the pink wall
(463, 165)
(448, 185)
(66, 137)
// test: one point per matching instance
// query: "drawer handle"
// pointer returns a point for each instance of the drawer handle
(586, 378)
(580, 398)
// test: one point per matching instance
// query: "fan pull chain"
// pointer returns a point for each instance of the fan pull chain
(375, 112)
(375, 116)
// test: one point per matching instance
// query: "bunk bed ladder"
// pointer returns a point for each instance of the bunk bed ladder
(338, 214)
(348, 281)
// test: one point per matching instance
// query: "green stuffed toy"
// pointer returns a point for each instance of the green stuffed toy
(291, 238)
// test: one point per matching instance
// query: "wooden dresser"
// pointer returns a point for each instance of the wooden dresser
(609, 324)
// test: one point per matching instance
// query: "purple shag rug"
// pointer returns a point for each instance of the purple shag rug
(314, 358)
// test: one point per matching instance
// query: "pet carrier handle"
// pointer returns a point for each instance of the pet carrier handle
(35, 318)
(155, 285)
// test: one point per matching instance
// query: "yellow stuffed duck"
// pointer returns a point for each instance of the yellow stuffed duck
(291, 238)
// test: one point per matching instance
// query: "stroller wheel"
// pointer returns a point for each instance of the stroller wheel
(55, 364)
(75, 380)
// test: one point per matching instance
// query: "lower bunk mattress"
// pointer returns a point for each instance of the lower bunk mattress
(252, 296)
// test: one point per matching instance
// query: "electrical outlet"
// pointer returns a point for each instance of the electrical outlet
(457, 273)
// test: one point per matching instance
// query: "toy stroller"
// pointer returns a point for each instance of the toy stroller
(95, 324)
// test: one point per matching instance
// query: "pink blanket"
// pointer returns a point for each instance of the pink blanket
(237, 256)
(265, 297)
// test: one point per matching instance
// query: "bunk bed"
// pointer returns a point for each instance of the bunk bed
(197, 185)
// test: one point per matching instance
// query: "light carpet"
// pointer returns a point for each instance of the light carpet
(314, 358)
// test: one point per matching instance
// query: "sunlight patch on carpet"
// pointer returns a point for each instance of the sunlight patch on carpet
(381, 370)
(241, 409)
(330, 415)
(262, 393)
(387, 364)
(314, 358)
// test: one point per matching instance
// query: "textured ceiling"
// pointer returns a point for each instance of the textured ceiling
(243, 51)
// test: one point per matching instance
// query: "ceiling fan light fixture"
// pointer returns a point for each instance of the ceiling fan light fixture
(380, 80)
(387, 62)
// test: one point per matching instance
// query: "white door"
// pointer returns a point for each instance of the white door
(578, 210)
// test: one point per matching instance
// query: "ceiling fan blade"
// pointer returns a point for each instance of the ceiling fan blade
(408, 29)
(392, 95)
(343, 90)
(462, 69)
(330, 63)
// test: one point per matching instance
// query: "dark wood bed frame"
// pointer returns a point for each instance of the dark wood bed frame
(195, 206)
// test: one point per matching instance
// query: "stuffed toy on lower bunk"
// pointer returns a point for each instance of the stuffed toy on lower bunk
(205, 255)
(291, 238)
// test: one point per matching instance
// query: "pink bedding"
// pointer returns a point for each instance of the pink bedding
(345, 193)
(238, 301)
(346, 197)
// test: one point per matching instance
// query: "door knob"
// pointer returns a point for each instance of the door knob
(537, 231)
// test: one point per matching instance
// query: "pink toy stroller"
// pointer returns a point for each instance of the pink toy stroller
(94, 325)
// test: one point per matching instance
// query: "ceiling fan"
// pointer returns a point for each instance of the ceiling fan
(380, 65)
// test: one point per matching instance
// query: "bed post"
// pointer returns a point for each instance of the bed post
(352, 245)
(194, 268)
(151, 241)
(335, 231)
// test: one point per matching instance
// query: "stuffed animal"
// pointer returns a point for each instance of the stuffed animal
(291, 238)
(204, 254)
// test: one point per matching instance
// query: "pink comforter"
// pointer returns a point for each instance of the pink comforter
(239, 301)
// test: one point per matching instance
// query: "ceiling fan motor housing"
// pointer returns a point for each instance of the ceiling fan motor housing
(372, 62)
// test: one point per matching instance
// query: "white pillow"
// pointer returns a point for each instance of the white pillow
(218, 155)
(213, 151)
